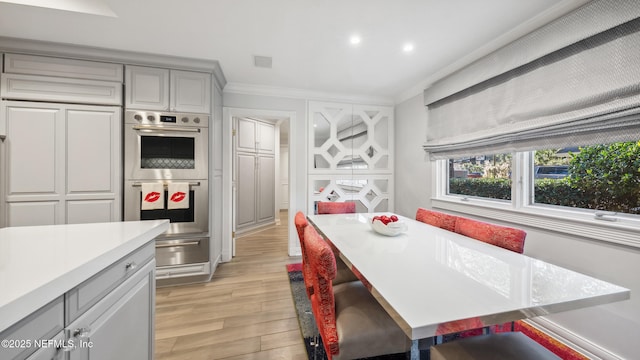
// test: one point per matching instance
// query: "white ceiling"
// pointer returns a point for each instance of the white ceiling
(308, 40)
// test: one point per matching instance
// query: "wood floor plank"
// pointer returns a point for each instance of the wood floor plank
(245, 312)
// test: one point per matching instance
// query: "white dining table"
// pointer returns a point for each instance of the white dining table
(433, 281)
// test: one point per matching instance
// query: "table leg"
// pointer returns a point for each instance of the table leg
(415, 351)
(420, 349)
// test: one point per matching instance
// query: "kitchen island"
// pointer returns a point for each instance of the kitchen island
(77, 283)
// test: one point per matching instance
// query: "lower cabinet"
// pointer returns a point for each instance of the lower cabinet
(117, 323)
(120, 326)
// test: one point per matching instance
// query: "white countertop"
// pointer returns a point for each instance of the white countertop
(428, 277)
(40, 263)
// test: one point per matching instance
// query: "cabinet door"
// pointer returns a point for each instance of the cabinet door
(93, 168)
(93, 149)
(190, 91)
(33, 157)
(91, 211)
(146, 88)
(120, 326)
(60, 153)
(266, 138)
(245, 135)
(266, 188)
(246, 190)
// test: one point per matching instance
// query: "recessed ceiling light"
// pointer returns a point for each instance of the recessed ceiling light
(408, 47)
(355, 39)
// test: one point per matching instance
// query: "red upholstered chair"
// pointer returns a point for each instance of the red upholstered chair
(336, 207)
(436, 218)
(503, 236)
(301, 223)
(351, 322)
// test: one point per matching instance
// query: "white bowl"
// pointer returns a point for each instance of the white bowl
(391, 229)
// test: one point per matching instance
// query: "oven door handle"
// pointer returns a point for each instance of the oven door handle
(138, 184)
(186, 243)
(164, 129)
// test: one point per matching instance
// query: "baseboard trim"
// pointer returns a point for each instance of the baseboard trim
(572, 340)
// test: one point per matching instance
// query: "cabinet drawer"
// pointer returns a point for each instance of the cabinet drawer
(53, 89)
(59, 67)
(43, 324)
(85, 295)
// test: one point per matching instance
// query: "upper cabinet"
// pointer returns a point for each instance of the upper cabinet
(148, 88)
(51, 79)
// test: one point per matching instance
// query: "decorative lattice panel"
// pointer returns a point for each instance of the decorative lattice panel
(346, 138)
(350, 155)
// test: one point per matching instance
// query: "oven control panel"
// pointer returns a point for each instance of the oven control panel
(165, 119)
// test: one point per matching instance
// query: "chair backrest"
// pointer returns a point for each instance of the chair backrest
(301, 223)
(436, 218)
(323, 267)
(336, 207)
(503, 236)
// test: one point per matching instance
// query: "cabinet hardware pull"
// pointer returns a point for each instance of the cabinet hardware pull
(138, 184)
(81, 333)
(187, 243)
(167, 129)
(130, 266)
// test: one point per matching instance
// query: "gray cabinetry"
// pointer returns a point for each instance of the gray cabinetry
(109, 316)
(254, 173)
(148, 88)
(120, 325)
(42, 78)
(63, 163)
(43, 324)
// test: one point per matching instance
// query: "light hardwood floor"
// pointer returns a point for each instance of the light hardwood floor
(245, 312)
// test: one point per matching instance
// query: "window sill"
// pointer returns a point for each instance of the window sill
(575, 223)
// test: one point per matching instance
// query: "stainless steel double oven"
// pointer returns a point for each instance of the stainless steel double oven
(165, 148)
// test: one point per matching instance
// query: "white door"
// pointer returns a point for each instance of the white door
(266, 189)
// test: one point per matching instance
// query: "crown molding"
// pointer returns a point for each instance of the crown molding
(82, 52)
(263, 90)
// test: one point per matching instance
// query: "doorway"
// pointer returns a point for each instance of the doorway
(284, 122)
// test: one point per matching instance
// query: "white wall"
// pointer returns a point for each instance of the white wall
(608, 331)
(283, 202)
(411, 191)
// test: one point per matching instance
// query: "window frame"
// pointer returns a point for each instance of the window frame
(619, 228)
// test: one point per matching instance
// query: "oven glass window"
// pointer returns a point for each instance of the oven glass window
(166, 152)
(174, 215)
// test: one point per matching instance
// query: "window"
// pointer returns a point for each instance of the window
(560, 189)
(602, 177)
(485, 176)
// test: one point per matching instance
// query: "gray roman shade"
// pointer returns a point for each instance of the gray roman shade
(575, 81)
